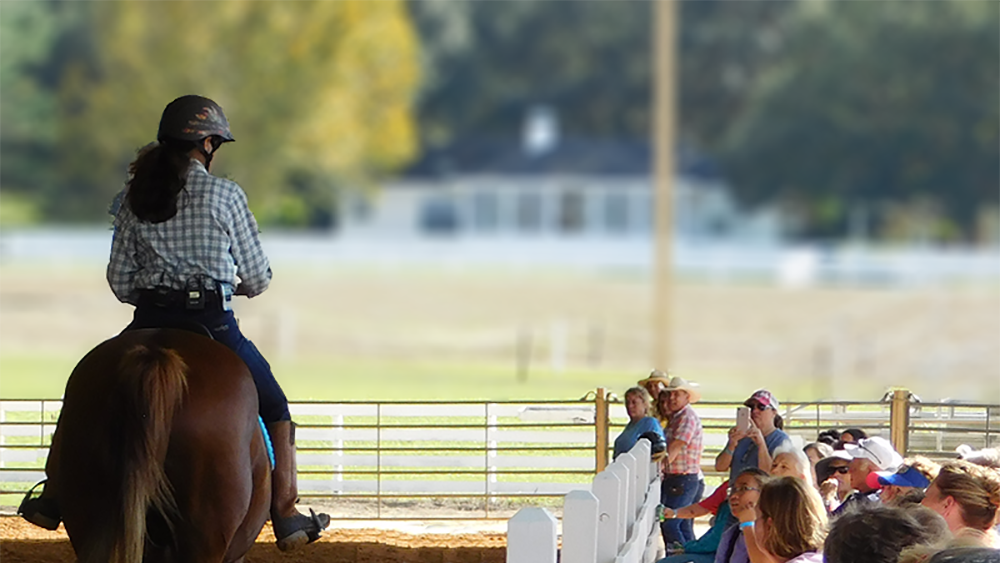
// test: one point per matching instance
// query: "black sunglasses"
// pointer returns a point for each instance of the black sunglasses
(843, 469)
(760, 407)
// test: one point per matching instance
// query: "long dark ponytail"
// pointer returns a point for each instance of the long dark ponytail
(156, 178)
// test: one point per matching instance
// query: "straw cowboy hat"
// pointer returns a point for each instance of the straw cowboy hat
(690, 387)
(655, 376)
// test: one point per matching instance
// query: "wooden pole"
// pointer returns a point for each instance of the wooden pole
(665, 86)
(899, 420)
(601, 422)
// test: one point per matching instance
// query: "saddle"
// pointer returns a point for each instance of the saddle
(181, 324)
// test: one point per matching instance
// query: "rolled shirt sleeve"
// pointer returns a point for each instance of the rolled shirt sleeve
(252, 265)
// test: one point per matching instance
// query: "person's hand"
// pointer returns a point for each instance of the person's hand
(735, 435)
(828, 489)
(747, 512)
(669, 513)
(755, 434)
(240, 290)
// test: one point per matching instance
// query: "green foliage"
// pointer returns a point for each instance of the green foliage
(315, 88)
(28, 32)
(876, 102)
(486, 62)
(17, 210)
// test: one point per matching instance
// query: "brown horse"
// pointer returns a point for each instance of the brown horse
(160, 456)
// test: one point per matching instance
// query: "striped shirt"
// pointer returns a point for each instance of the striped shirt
(212, 238)
(685, 426)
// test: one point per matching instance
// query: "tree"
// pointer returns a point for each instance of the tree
(488, 62)
(875, 103)
(314, 91)
(28, 37)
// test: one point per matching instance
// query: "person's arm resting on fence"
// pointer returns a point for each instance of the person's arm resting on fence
(686, 512)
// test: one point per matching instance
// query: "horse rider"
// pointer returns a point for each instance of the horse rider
(184, 243)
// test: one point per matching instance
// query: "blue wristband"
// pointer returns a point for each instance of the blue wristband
(746, 524)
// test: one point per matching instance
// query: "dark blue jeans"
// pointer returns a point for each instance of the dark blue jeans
(678, 491)
(273, 405)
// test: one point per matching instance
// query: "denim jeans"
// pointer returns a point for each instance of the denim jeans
(273, 406)
(678, 491)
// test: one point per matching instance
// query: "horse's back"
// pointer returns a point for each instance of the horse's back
(214, 459)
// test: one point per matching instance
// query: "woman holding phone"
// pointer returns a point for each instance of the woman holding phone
(754, 445)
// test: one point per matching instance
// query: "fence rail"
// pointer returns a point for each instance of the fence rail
(484, 459)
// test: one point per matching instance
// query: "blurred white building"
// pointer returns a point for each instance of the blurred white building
(546, 185)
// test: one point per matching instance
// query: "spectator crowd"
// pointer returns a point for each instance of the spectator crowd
(846, 497)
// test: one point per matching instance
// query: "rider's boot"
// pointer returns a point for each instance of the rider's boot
(43, 510)
(292, 529)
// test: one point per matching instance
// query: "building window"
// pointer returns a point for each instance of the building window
(529, 211)
(484, 211)
(571, 212)
(438, 215)
(616, 212)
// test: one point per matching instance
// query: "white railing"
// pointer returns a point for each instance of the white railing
(614, 522)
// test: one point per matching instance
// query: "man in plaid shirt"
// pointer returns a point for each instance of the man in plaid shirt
(184, 243)
(683, 483)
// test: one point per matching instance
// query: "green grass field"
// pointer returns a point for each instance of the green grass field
(399, 334)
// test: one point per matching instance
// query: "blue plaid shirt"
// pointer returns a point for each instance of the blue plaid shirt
(213, 238)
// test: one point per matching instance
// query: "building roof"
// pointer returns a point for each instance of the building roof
(572, 156)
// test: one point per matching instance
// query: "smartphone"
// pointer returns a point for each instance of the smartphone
(743, 419)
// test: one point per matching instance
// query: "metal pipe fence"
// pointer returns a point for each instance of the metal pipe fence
(474, 459)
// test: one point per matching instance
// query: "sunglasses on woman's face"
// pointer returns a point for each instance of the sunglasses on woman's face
(761, 407)
(843, 469)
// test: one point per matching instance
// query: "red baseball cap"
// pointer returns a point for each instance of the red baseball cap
(764, 397)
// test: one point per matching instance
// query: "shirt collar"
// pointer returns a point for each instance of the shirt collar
(197, 164)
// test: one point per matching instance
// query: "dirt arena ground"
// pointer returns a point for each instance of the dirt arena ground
(21, 542)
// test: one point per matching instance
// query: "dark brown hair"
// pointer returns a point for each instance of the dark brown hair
(156, 178)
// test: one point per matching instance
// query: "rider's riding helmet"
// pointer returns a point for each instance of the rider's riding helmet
(192, 118)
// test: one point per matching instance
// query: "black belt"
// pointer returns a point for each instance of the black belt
(183, 299)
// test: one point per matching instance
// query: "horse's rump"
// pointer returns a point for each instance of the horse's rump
(142, 423)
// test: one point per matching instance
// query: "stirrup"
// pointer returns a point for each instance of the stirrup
(39, 511)
(296, 531)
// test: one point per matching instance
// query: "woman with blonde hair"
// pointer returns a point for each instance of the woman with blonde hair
(968, 497)
(790, 524)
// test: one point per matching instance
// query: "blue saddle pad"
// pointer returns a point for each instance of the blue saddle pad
(267, 440)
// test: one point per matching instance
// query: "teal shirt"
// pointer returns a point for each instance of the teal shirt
(709, 542)
(633, 430)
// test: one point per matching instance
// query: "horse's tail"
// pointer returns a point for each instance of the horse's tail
(153, 381)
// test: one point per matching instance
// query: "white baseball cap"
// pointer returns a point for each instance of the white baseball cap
(876, 449)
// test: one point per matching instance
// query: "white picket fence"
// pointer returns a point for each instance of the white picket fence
(614, 522)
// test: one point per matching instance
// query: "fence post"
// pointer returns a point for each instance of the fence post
(899, 420)
(629, 462)
(607, 488)
(531, 536)
(580, 513)
(601, 429)
(624, 492)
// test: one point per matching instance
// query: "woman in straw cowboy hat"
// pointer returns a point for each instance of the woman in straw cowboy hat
(655, 383)
(683, 483)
